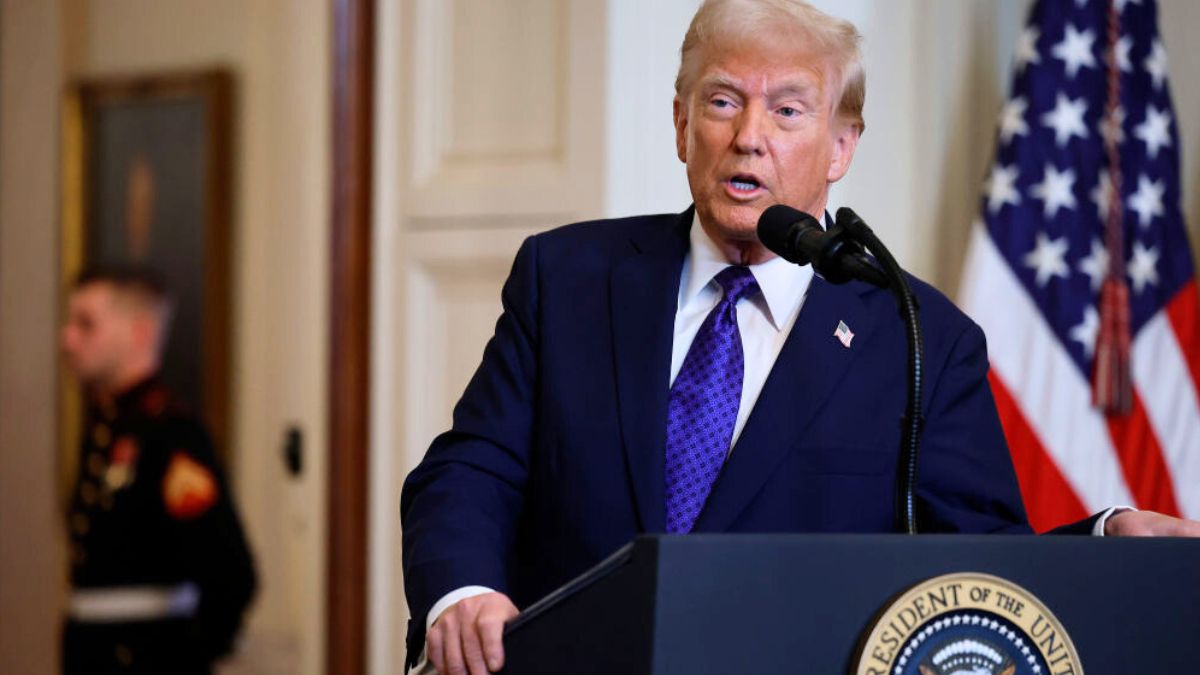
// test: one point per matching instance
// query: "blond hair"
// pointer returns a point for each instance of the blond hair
(795, 21)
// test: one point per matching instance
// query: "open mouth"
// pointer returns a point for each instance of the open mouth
(744, 184)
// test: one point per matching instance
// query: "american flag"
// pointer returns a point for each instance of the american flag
(1098, 398)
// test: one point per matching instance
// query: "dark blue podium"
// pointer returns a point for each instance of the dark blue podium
(768, 604)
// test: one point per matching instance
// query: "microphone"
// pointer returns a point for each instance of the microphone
(913, 422)
(798, 237)
(838, 255)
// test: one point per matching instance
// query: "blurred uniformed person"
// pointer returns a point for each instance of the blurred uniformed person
(160, 571)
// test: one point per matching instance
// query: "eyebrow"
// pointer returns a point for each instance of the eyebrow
(793, 88)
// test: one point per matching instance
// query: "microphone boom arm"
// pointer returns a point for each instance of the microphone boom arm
(913, 422)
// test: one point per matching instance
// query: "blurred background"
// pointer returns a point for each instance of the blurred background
(483, 121)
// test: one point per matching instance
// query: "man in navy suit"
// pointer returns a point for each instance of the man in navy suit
(574, 433)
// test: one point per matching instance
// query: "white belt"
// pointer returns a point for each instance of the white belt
(133, 603)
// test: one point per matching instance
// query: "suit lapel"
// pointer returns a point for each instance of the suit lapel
(645, 292)
(810, 365)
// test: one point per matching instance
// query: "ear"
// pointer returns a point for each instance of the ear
(144, 329)
(845, 141)
(680, 112)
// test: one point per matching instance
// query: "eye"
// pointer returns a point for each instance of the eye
(720, 102)
(789, 111)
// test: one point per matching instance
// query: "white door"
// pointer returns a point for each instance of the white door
(489, 129)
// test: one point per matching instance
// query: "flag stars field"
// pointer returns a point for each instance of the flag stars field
(1075, 50)
(1095, 265)
(1067, 119)
(1085, 333)
(1027, 51)
(1143, 267)
(1002, 187)
(1056, 191)
(1123, 47)
(1155, 131)
(1112, 130)
(1048, 258)
(1102, 195)
(1147, 202)
(1012, 119)
(1156, 64)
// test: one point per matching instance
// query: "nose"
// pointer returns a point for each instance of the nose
(66, 339)
(751, 134)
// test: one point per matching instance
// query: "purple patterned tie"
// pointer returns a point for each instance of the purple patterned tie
(704, 404)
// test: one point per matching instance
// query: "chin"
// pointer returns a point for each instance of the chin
(738, 223)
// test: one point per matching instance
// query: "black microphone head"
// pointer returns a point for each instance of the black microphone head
(778, 228)
(846, 215)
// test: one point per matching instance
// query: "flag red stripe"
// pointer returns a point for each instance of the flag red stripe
(1184, 313)
(1142, 461)
(1049, 500)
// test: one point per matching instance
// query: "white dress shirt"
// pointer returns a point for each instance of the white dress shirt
(764, 319)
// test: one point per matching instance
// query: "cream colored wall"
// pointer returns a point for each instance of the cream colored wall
(279, 53)
(1179, 21)
(31, 552)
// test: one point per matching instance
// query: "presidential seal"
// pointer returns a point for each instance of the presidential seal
(967, 624)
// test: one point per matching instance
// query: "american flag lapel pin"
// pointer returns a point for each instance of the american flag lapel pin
(844, 334)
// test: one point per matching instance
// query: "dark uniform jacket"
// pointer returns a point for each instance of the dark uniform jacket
(152, 510)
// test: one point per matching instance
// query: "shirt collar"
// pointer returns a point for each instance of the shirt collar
(782, 283)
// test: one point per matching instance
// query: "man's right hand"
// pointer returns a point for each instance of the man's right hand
(466, 638)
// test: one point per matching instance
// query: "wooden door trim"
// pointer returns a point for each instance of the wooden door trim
(350, 326)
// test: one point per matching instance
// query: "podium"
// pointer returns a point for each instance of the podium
(764, 604)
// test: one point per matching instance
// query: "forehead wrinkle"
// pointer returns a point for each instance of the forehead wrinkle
(721, 79)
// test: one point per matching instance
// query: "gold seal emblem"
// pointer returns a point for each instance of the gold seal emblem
(967, 623)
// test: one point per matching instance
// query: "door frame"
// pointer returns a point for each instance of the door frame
(350, 329)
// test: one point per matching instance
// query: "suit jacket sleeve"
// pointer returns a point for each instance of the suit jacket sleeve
(459, 508)
(966, 481)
